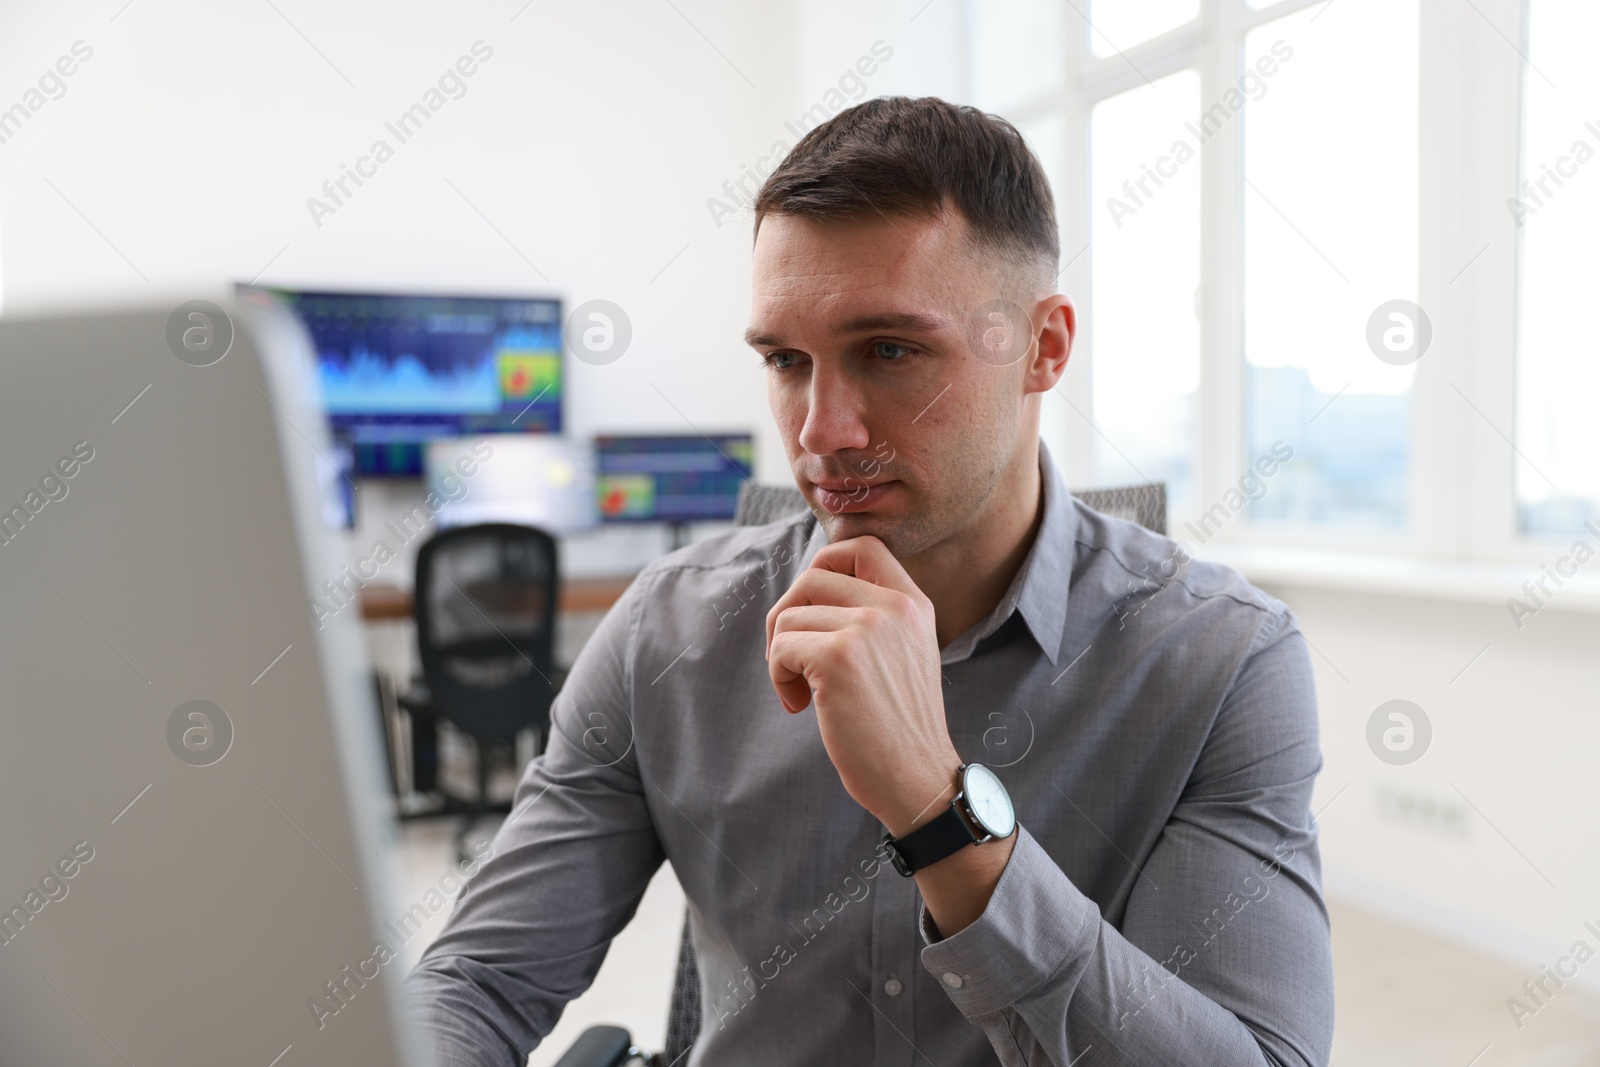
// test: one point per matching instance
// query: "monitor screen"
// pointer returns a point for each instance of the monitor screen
(399, 371)
(685, 478)
(538, 480)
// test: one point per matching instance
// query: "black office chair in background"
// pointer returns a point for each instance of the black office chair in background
(612, 1046)
(485, 605)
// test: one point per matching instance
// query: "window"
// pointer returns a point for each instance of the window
(1145, 249)
(1330, 238)
(1120, 24)
(1286, 226)
(1556, 210)
(1015, 51)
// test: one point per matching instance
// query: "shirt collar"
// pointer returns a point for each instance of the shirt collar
(1039, 589)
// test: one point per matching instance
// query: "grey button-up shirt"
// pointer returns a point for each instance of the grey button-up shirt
(1153, 718)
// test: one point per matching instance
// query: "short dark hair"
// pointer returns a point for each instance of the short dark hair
(895, 155)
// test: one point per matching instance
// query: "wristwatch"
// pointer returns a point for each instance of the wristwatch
(981, 798)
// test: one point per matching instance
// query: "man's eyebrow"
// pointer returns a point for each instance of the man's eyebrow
(874, 323)
(895, 320)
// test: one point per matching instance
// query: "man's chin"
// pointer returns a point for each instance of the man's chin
(842, 527)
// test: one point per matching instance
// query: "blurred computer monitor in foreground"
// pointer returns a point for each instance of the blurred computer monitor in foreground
(195, 828)
(534, 479)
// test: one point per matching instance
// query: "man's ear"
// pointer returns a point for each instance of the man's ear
(1058, 326)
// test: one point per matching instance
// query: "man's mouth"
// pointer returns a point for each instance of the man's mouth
(852, 495)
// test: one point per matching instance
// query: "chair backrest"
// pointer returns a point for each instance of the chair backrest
(485, 605)
(1145, 504)
(759, 504)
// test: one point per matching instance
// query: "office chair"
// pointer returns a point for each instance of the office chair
(612, 1046)
(485, 605)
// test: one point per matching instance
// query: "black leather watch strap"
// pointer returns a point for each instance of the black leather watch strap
(945, 835)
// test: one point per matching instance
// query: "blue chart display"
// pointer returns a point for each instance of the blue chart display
(671, 478)
(399, 371)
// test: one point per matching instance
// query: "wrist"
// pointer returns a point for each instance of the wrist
(920, 804)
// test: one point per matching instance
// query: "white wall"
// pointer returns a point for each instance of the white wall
(1489, 837)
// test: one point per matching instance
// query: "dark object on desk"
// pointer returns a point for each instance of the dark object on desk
(760, 504)
(486, 612)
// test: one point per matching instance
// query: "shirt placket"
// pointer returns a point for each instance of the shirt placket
(894, 962)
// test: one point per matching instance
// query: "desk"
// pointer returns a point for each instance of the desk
(391, 603)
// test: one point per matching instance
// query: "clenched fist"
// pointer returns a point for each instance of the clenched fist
(856, 635)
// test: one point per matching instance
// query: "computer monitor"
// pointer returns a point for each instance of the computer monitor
(674, 478)
(398, 371)
(195, 829)
(534, 479)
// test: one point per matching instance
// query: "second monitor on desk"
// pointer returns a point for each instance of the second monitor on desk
(675, 479)
(567, 485)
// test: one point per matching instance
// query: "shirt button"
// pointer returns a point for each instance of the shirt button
(952, 979)
(893, 987)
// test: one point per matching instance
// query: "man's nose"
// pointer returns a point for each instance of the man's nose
(835, 421)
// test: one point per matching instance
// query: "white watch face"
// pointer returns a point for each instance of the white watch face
(988, 800)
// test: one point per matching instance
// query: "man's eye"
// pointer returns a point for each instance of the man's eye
(889, 352)
(779, 360)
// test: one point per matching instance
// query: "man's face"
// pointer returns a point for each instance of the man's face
(894, 421)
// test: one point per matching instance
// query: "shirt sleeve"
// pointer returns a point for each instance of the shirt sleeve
(564, 873)
(1228, 962)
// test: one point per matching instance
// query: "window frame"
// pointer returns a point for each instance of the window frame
(1461, 488)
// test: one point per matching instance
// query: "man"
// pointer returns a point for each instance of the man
(766, 707)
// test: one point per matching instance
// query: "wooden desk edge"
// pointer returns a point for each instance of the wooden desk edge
(384, 603)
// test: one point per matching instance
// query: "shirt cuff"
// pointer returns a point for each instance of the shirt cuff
(1035, 921)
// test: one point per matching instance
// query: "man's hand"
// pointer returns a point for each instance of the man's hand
(855, 633)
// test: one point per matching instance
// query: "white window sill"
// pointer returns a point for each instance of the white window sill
(1405, 576)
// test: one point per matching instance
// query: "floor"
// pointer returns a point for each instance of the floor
(1406, 998)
